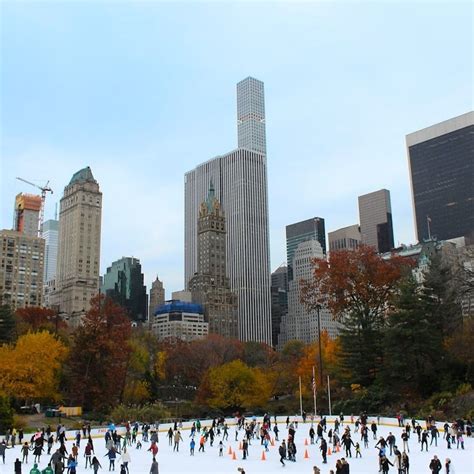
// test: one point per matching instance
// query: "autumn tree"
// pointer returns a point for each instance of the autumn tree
(35, 318)
(145, 368)
(34, 364)
(236, 386)
(97, 366)
(7, 324)
(188, 362)
(358, 287)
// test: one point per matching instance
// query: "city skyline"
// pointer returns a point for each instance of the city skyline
(141, 135)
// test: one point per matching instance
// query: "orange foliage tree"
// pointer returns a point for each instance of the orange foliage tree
(358, 287)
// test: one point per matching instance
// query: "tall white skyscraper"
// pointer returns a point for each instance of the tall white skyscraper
(50, 234)
(251, 115)
(240, 181)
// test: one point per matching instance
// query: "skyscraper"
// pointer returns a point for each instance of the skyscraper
(279, 295)
(345, 238)
(123, 282)
(299, 323)
(210, 286)
(50, 234)
(375, 214)
(251, 115)
(77, 277)
(310, 229)
(240, 181)
(27, 214)
(21, 269)
(441, 159)
(157, 297)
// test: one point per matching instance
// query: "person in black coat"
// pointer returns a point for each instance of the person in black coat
(324, 449)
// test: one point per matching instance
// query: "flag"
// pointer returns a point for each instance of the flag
(313, 383)
(428, 218)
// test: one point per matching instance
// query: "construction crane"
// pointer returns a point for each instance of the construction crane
(44, 189)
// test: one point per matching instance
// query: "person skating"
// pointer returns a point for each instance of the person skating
(435, 465)
(71, 465)
(192, 445)
(170, 436)
(25, 450)
(448, 467)
(154, 467)
(17, 466)
(311, 435)
(177, 439)
(245, 449)
(282, 452)
(276, 430)
(125, 459)
(391, 442)
(96, 464)
(88, 454)
(358, 452)
(47, 470)
(385, 464)
(406, 463)
(3, 448)
(35, 469)
(424, 440)
(323, 446)
(112, 455)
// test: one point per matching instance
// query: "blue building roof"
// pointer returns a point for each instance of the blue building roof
(177, 306)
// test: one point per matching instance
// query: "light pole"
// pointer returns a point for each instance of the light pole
(318, 307)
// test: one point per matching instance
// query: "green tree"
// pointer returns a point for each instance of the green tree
(7, 325)
(413, 345)
(6, 414)
(440, 296)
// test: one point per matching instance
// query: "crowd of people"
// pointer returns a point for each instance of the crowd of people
(348, 438)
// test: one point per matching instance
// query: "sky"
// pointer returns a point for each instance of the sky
(144, 91)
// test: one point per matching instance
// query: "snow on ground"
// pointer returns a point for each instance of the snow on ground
(210, 463)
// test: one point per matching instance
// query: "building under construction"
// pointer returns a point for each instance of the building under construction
(27, 214)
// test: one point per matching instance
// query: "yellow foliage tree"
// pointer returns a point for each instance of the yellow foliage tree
(33, 366)
(330, 349)
(136, 392)
(236, 386)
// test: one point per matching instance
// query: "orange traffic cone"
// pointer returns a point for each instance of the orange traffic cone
(240, 445)
(306, 455)
(234, 457)
(263, 456)
(306, 441)
(329, 451)
(230, 450)
(272, 442)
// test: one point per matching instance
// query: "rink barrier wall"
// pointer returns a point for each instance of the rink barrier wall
(163, 428)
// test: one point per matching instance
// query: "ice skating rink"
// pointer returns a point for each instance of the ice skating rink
(210, 462)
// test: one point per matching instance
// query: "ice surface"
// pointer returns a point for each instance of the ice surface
(209, 462)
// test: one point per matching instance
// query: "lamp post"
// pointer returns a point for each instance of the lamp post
(318, 308)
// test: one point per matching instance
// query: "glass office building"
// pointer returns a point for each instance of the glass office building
(441, 160)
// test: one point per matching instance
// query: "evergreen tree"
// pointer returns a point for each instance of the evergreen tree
(7, 325)
(440, 297)
(6, 414)
(413, 344)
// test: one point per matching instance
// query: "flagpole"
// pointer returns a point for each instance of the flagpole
(314, 394)
(329, 398)
(301, 401)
